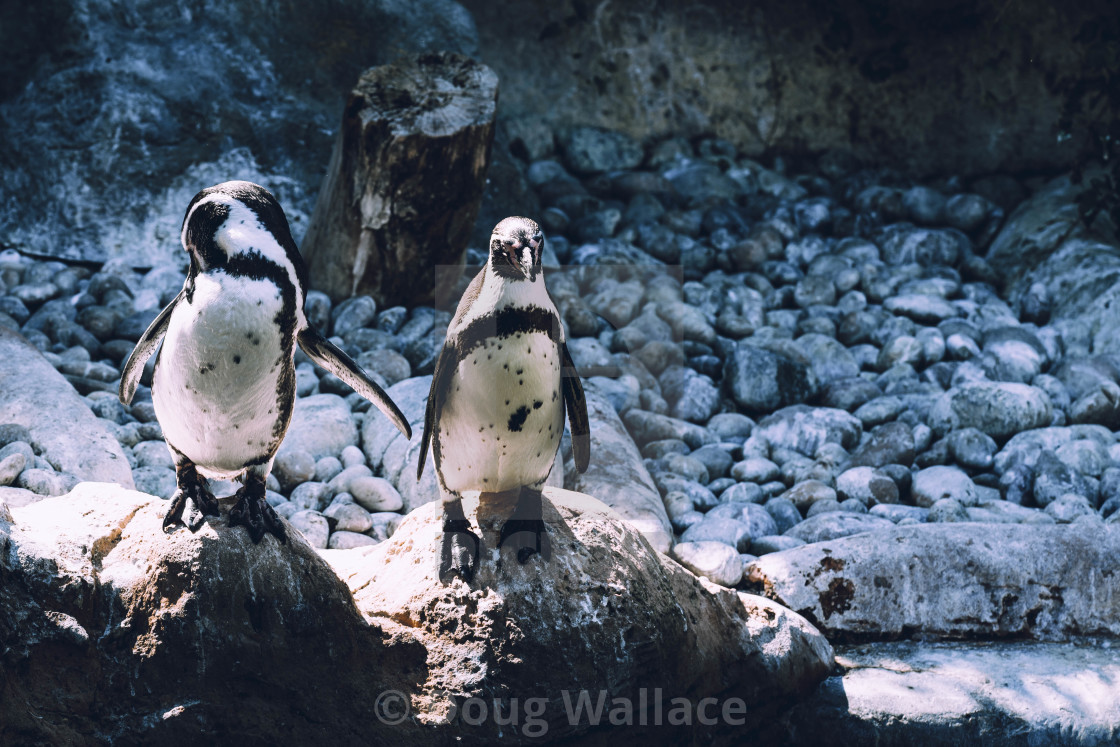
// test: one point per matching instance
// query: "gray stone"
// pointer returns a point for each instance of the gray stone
(879, 410)
(903, 244)
(647, 426)
(828, 359)
(762, 381)
(375, 494)
(340, 483)
(157, 481)
(730, 426)
(805, 429)
(867, 485)
(590, 150)
(313, 526)
(971, 448)
(687, 467)
(715, 459)
(10, 467)
(755, 469)
(757, 519)
(349, 517)
(804, 494)
(935, 483)
(11, 497)
(311, 496)
(326, 469)
(321, 426)
(998, 409)
(784, 513)
(836, 524)
(823, 507)
(898, 512)
(37, 398)
(975, 580)
(713, 560)
(343, 540)
(921, 307)
(947, 510)
(1053, 478)
(743, 492)
(718, 529)
(45, 482)
(773, 543)
(1068, 508)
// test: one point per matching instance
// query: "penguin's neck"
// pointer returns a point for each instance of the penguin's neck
(499, 292)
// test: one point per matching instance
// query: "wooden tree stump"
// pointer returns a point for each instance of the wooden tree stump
(405, 180)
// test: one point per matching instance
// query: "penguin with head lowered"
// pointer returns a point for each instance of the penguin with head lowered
(223, 386)
(495, 413)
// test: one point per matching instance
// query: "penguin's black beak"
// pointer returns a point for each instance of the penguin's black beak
(532, 256)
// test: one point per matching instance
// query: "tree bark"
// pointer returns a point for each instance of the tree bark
(405, 180)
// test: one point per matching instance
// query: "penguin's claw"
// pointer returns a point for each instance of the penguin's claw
(201, 499)
(253, 512)
(460, 551)
(529, 537)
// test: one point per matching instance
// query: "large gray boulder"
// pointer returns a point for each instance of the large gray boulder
(606, 613)
(1045, 242)
(37, 397)
(106, 620)
(113, 116)
(953, 580)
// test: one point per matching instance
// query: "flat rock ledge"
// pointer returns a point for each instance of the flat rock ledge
(113, 632)
(968, 580)
(910, 694)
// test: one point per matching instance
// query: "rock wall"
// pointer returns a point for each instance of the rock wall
(112, 116)
(934, 86)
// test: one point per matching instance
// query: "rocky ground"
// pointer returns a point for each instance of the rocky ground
(797, 356)
(777, 360)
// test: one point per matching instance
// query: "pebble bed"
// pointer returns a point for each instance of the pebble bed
(798, 357)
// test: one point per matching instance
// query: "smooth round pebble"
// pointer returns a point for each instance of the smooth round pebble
(716, 561)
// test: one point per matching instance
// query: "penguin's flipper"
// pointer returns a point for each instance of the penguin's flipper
(149, 341)
(326, 354)
(576, 403)
(441, 383)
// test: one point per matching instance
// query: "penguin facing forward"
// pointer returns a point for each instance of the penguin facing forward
(224, 380)
(495, 413)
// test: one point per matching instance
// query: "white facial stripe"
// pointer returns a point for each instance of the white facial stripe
(242, 232)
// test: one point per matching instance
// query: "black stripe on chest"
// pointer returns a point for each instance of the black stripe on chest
(505, 323)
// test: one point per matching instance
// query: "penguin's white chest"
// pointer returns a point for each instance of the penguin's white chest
(219, 385)
(503, 417)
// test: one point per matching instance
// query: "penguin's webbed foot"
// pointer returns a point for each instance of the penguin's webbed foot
(459, 554)
(253, 512)
(528, 536)
(194, 488)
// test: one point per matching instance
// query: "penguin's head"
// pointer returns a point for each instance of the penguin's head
(515, 249)
(234, 223)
